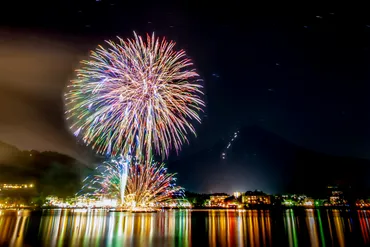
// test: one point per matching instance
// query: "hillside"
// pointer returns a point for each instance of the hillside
(53, 173)
(259, 159)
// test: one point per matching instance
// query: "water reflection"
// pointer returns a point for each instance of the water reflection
(312, 229)
(321, 229)
(186, 228)
(363, 216)
(239, 228)
(339, 227)
(12, 227)
(290, 227)
(101, 228)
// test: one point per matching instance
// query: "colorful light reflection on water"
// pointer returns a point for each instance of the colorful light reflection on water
(186, 228)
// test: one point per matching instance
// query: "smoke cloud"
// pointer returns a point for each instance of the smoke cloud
(34, 71)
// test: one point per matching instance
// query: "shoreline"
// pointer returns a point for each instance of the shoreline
(192, 209)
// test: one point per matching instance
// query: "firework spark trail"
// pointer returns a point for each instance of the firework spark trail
(145, 185)
(229, 145)
(135, 94)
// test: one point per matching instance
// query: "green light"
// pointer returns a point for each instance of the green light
(321, 229)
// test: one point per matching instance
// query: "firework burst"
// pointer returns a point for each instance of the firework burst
(135, 184)
(139, 94)
(149, 185)
(110, 178)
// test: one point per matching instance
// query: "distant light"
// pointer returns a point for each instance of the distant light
(237, 194)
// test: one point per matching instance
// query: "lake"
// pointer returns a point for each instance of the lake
(286, 227)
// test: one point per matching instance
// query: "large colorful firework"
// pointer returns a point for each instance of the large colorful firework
(135, 184)
(137, 93)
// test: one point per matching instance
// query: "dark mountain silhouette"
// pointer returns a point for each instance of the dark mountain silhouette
(53, 173)
(7, 152)
(259, 159)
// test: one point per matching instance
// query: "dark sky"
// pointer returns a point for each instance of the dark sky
(301, 72)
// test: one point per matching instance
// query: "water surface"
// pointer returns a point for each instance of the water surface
(310, 227)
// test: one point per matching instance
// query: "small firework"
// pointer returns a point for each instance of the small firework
(110, 178)
(135, 184)
(150, 185)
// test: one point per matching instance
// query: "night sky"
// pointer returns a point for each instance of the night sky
(300, 72)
